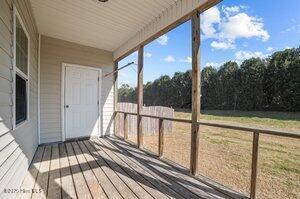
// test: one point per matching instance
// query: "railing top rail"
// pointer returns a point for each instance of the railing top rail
(158, 117)
(252, 129)
(126, 112)
(228, 126)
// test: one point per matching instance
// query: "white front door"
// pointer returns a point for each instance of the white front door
(82, 102)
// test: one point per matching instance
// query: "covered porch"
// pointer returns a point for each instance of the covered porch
(81, 43)
(111, 168)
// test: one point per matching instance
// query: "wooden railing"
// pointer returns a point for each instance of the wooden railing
(255, 142)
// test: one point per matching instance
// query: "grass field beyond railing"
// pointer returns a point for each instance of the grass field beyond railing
(278, 120)
(225, 154)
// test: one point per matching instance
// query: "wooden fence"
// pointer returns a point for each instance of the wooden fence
(150, 125)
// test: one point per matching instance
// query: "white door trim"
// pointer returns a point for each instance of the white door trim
(39, 89)
(63, 85)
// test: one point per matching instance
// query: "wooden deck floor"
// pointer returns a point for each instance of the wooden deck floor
(108, 168)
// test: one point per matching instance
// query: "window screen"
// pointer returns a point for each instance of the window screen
(21, 99)
(21, 48)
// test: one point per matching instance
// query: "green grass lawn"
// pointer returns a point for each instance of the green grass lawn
(281, 120)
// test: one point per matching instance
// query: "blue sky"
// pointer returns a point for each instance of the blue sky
(233, 30)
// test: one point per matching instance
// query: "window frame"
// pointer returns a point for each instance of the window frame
(16, 70)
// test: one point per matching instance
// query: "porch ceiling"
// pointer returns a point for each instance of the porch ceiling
(93, 23)
(116, 25)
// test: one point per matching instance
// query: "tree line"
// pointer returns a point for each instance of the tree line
(270, 84)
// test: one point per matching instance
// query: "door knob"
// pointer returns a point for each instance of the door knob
(67, 106)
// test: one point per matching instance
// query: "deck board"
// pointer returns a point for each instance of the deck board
(146, 185)
(120, 170)
(160, 183)
(81, 186)
(108, 168)
(179, 180)
(54, 191)
(158, 167)
(67, 182)
(95, 188)
(107, 185)
(41, 184)
(122, 187)
(30, 178)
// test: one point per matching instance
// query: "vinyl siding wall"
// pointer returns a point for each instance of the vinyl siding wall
(54, 52)
(17, 147)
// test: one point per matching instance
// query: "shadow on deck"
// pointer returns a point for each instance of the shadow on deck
(110, 168)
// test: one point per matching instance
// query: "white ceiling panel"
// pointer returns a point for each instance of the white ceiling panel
(92, 23)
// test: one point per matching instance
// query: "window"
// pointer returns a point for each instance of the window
(21, 48)
(21, 101)
(21, 71)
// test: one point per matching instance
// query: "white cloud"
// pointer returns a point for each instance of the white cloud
(270, 49)
(242, 25)
(208, 19)
(187, 60)
(214, 64)
(147, 54)
(163, 40)
(229, 24)
(230, 10)
(169, 59)
(243, 55)
(223, 45)
(287, 47)
(294, 28)
(244, 7)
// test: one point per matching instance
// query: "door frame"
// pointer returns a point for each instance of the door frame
(63, 88)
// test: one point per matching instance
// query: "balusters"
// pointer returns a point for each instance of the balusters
(125, 126)
(254, 164)
(161, 137)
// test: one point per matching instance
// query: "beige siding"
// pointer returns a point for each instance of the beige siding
(17, 147)
(54, 52)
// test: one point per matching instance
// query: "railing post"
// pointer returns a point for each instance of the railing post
(195, 92)
(254, 164)
(115, 81)
(140, 96)
(161, 137)
(125, 126)
(117, 124)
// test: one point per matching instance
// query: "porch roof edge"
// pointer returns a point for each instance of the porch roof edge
(169, 19)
